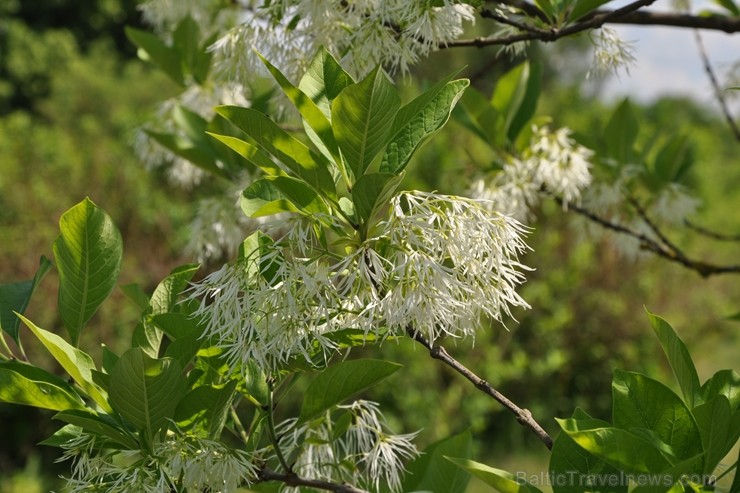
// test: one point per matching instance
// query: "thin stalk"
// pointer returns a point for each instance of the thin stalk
(271, 432)
(5, 346)
(238, 425)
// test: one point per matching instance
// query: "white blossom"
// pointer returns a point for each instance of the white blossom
(674, 204)
(553, 163)
(179, 462)
(611, 53)
(366, 453)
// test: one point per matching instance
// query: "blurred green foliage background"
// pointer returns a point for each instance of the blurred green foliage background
(72, 94)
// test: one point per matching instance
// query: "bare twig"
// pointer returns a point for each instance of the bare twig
(292, 479)
(523, 416)
(711, 234)
(715, 85)
(668, 244)
(704, 269)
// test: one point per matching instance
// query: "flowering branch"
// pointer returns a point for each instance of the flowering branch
(523, 416)
(661, 248)
(292, 479)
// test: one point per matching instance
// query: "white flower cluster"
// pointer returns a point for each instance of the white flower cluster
(366, 453)
(393, 33)
(611, 53)
(179, 463)
(437, 265)
(553, 163)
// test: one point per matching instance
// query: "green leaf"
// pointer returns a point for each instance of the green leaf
(99, 425)
(14, 297)
(503, 481)
(185, 43)
(373, 191)
(303, 197)
(547, 8)
(152, 48)
(31, 386)
(62, 436)
(362, 117)
(730, 6)
(575, 470)
(583, 7)
(263, 198)
(724, 382)
(198, 154)
(206, 408)
(136, 294)
(528, 105)
(147, 337)
(665, 481)
(714, 419)
(146, 391)
(184, 333)
(619, 448)
(251, 153)
(341, 381)
(735, 487)
(477, 115)
(165, 295)
(679, 359)
(292, 153)
(641, 402)
(509, 94)
(434, 473)
(88, 254)
(311, 113)
(254, 385)
(76, 363)
(673, 160)
(258, 251)
(324, 80)
(419, 119)
(620, 133)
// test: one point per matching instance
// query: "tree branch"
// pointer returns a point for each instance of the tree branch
(666, 251)
(711, 234)
(292, 479)
(629, 14)
(715, 85)
(523, 416)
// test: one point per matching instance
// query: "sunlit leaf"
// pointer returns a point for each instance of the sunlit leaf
(679, 359)
(76, 363)
(362, 117)
(88, 254)
(31, 386)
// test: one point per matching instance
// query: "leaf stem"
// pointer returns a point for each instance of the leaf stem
(239, 426)
(6, 347)
(271, 430)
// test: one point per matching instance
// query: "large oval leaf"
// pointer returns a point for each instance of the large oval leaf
(362, 117)
(88, 253)
(641, 402)
(342, 381)
(146, 391)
